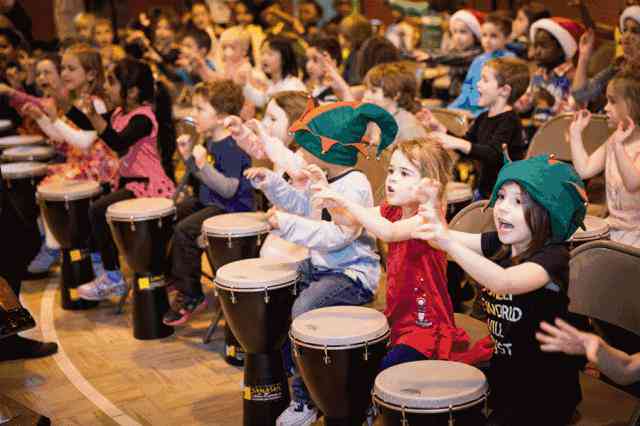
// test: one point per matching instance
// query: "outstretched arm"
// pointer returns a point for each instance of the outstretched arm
(586, 165)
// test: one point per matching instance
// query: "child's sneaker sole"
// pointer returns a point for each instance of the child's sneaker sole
(187, 316)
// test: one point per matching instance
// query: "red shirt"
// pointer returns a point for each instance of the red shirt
(415, 271)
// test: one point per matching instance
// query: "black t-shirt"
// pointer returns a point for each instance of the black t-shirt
(487, 135)
(527, 385)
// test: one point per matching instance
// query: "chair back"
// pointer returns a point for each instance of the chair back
(376, 171)
(456, 122)
(475, 218)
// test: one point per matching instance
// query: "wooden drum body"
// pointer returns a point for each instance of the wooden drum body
(20, 181)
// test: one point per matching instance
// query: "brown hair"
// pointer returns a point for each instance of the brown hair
(627, 86)
(502, 22)
(431, 159)
(539, 223)
(397, 82)
(356, 29)
(292, 102)
(225, 96)
(90, 60)
(535, 11)
(513, 72)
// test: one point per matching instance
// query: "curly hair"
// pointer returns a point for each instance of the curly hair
(223, 95)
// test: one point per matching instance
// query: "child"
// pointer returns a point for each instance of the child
(136, 130)
(495, 31)
(416, 272)
(195, 44)
(538, 204)
(619, 157)
(84, 24)
(503, 81)
(201, 20)
(555, 42)
(103, 37)
(279, 63)
(343, 269)
(322, 49)
(527, 15)
(222, 189)
(235, 43)
(394, 88)
(355, 29)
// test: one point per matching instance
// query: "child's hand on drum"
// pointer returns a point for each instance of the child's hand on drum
(200, 156)
(184, 143)
(272, 218)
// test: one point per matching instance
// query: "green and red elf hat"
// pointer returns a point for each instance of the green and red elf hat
(555, 186)
(335, 132)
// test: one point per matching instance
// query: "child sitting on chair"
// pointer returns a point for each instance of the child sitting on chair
(344, 268)
(219, 169)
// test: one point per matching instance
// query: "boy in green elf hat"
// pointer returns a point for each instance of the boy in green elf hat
(523, 268)
(343, 268)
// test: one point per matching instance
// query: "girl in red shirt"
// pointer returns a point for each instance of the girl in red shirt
(419, 307)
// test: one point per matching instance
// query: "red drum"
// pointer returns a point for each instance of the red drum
(431, 393)
(256, 296)
(65, 207)
(597, 229)
(28, 153)
(338, 351)
(142, 229)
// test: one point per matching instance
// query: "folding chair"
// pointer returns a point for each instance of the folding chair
(456, 122)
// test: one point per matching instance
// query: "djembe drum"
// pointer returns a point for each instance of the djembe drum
(230, 237)
(338, 351)
(28, 153)
(65, 207)
(20, 182)
(142, 229)
(256, 296)
(20, 140)
(431, 393)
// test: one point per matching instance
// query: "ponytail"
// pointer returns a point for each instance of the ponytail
(166, 130)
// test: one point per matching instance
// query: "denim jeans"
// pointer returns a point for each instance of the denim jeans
(319, 290)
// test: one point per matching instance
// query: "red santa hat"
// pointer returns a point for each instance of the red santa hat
(471, 18)
(632, 12)
(565, 30)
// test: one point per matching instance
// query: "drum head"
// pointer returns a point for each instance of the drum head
(236, 224)
(137, 209)
(596, 228)
(23, 170)
(28, 152)
(430, 385)
(339, 326)
(251, 275)
(69, 190)
(5, 125)
(458, 192)
(276, 248)
(18, 140)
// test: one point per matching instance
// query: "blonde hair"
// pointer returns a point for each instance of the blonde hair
(626, 86)
(103, 21)
(84, 18)
(237, 34)
(431, 159)
(292, 102)
(90, 60)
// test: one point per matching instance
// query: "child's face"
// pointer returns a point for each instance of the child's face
(520, 24)
(488, 88)
(233, 51)
(492, 38)
(7, 52)
(546, 50)
(276, 122)
(314, 64)
(73, 75)
(243, 16)
(402, 179)
(509, 218)
(375, 95)
(631, 39)
(308, 13)
(48, 78)
(344, 8)
(271, 61)
(104, 35)
(84, 31)
(113, 89)
(206, 117)
(200, 16)
(164, 33)
(461, 35)
(616, 107)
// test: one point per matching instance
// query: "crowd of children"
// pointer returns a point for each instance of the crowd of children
(262, 84)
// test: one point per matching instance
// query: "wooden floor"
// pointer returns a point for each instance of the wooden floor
(103, 376)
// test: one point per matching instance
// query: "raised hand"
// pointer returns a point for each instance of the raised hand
(563, 337)
(257, 176)
(427, 119)
(272, 219)
(316, 175)
(581, 120)
(587, 42)
(427, 192)
(323, 196)
(199, 155)
(623, 131)
(32, 110)
(234, 125)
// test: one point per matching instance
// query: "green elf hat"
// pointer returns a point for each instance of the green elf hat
(555, 186)
(334, 132)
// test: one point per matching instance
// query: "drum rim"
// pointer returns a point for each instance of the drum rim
(262, 229)
(416, 410)
(262, 288)
(31, 140)
(115, 216)
(41, 169)
(288, 274)
(361, 344)
(234, 235)
(8, 155)
(69, 197)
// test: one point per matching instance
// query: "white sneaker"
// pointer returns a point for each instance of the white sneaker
(297, 414)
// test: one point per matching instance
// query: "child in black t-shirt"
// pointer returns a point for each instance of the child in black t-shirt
(524, 271)
(502, 83)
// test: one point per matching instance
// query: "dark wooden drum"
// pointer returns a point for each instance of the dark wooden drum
(13, 317)
(28, 153)
(20, 181)
(256, 296)
(65, 207)
(142, 229)
(338, 351)
(431, 393)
